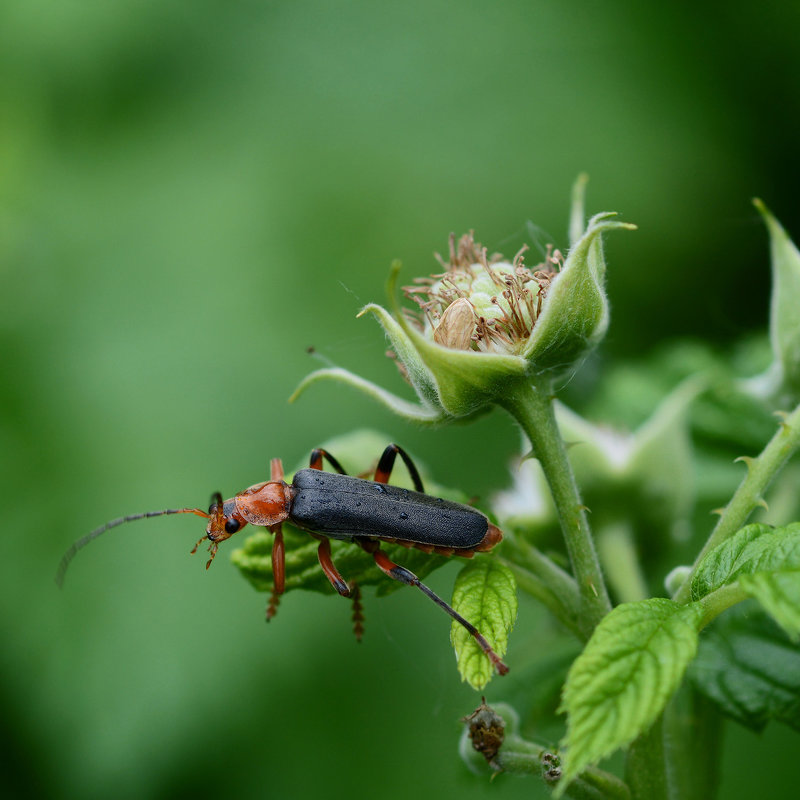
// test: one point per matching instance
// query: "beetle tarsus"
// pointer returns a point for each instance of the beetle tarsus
(358, 611)
(272, 605)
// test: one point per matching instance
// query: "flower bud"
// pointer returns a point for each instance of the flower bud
(487, 323)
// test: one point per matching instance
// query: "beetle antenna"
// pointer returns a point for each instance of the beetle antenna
(81, 543)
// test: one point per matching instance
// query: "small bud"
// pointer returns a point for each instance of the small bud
(676, 578)
(486, 730)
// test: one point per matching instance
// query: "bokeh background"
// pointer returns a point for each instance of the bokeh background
(191, 195)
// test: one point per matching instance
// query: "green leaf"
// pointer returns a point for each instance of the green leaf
(621, 682)
(485, 594)
(746, 666)
(766, 563)
(724, 561)
(574, 316)
(754, 548)
(779, 595)
(254, 561)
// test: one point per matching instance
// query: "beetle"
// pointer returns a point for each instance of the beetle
(335, 505)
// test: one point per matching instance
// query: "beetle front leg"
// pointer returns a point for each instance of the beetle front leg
(404, 575)
(278, 572)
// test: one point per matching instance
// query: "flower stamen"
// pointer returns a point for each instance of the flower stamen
(495, 302)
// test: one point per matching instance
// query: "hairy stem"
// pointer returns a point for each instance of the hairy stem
(645, 765)
(521, 757)
(563, 605)
(532, 407)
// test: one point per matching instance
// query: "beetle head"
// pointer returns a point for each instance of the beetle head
(223, 521)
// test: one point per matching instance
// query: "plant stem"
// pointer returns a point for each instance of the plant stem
(518, 756)
(543, 579)
(750, 494)
(692, 739)
(534, 586)
(645, 765)
(618, 556)
(532, 407)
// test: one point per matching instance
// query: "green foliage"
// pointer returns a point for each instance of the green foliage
(779, 594)
(765, 562)
(485, 594)
(191, 195)
(641, 489)
(749, 669)
(302, 564)
(621, 682)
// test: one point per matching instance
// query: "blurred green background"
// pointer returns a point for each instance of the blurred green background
(193, 193)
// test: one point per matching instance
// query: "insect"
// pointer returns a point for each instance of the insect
(334, 505)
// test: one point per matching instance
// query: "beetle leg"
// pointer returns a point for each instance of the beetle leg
(316, 460)
(386, 464)
(358, 610)
(278, 572)
(404, 575)
(276, 470)
(338, 582)
(328, 567)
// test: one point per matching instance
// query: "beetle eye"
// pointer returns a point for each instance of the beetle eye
(232, 525)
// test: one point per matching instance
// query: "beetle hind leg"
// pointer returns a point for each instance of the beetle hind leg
(398, 573)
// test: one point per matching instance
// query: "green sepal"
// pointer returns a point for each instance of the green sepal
(485, 594)
(782, 379)
(420, 377)
(574, 315)
(619, 685)
(577, 212)
(413, 412)
(466, 380)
